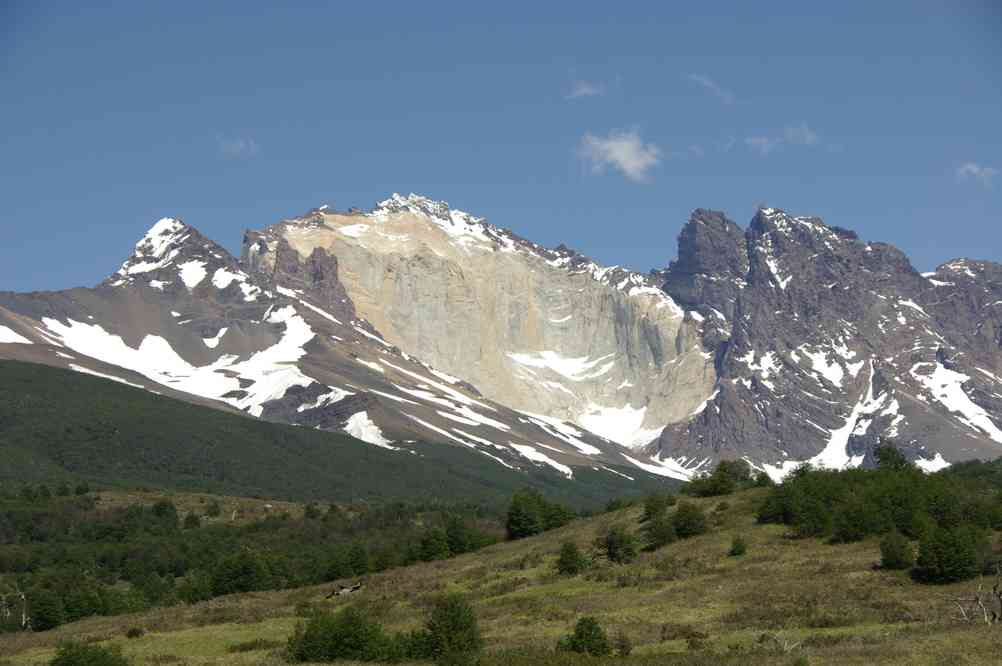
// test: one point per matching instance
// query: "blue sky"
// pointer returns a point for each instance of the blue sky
(601, 128)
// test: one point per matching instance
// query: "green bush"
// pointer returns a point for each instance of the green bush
(689, 520)
(588, 638)
(453, 635)
(738, 546)
(656, 505)
(896, 551)
(134, 632)
(347, 634)
(46, 610)
(658, 532)
(729, 475)
(617, 544)
(530, 513)
(79, 654)
(948, 555)
(571, 561)
(245, 571)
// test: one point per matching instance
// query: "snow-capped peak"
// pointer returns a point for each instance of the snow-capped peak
(157, 248)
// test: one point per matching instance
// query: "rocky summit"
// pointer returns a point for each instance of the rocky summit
(414, 324)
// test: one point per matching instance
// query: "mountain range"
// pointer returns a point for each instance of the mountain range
(413, 325)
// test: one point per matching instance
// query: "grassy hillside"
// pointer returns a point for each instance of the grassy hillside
(59, 425)
(786, 601)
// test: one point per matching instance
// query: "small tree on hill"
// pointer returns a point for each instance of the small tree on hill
(588, 638)
(617, 544)
(82, 654)
(571, 561)
(889, 457)
(948, 555)
(453, 633)
(689, 520)
(45, 610)
(659, 532)
(524, 517)
(896, 551)
(347, 634)
(655, 505)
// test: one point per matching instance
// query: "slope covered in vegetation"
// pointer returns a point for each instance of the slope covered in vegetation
(58, 425)
(702, 579)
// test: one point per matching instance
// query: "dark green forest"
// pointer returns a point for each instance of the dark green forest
(58, 425)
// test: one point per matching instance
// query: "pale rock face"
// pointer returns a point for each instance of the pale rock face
(544, 331)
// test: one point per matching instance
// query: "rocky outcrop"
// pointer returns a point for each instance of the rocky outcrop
(835, 345)
(545, 331)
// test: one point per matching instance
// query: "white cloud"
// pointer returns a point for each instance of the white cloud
(238, 147)
(712, 87)
(800, 135)
(763, 144)
(792, 135)
(983, 174)
(581, 88)
(622, 150)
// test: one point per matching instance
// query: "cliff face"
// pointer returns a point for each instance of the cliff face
(828, 345)
(544, 331)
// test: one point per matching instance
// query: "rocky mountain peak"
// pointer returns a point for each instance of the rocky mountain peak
(174, 257)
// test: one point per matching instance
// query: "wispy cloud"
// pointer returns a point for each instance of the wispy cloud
(712, 87)
(581, 88)
(622, 150)
(763, 144)
(792, 135)
(237, 147)
(983, 174)
(800, 135)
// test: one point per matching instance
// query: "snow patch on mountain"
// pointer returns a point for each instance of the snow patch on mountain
(213, 342)
(574, 369)
(947, 387)
(537, 456)
(623, 425)
(270, 372)
(8, 336)
(360, 426)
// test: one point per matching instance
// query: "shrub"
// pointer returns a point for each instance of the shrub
(79, 654)
(738, 547)
(658, 532)
(725, 479)
(947, 555)
(618, 545)
(47, 610)
(214, 509)
(450, 636)
(196, 586)
(134, 632)
(192, 521)
(571, 561)
(689, 520)
(588, 638)
(896, 551)
(245, 571)
(347, 634)
(530, 513)
(656, 505)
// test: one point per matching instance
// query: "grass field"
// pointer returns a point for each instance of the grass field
(784, 602)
